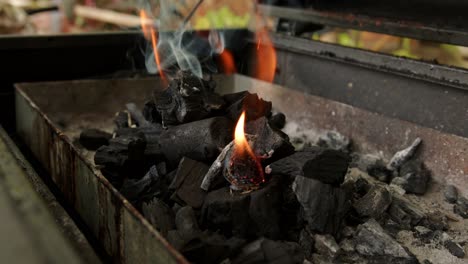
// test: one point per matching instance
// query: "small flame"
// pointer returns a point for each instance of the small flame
(149, 32)
(248, 168)
(266, 56)
(227, 62)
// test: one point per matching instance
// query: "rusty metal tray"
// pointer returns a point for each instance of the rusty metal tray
(50, 115)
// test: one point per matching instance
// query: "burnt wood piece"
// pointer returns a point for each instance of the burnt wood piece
(405, 213)
(200, 140)
(187, 99)
(137, 115)
(404, 155)
(150, 134)
(253, 106)
(215, 172)
(278, 120)
(326, 165)
(151, 185)
(159, 214)
(374, 203)
(416, 176)
(187, 182)
(92, 138)
(324, 205)
(150, 112)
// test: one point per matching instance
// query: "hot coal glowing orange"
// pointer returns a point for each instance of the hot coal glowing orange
(245, 171)
(227, 62)
(265, 55)
(149, 32)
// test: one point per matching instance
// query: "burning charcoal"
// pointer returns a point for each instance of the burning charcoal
(277, 121)
(92, 139)
(372, 241)
(123, 119)
(268, 141)
(306, 241)
(159, 214)
(187, 99)
(144, 189)
(416, 175)
(379, 171)
(254, 106)
(186, 223)
(226, 211)
(451, 194)
(374, 203)
(200, 140)
(403, 155)
(326, 165)
(265, 209)
(324, 205)
(150, 113)
(335, 140)
(454, 249)
(404, 213)
(136, 114)
(187, 182)
(327, 246)
(461, 207)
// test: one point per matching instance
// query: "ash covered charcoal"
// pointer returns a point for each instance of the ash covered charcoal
(404, 155)
(461, 207)
(254, 106)
(405, 213)
(326, 165)
(335, 140)
(186, 183)
(159, 214)
(374, 203)
(372, 241)
(416, 177)
(92, 139)
(277, 120)
(324, 205)
(451, 194)
(199, 140)
(187, 99)
(380, 171)
(454, 249)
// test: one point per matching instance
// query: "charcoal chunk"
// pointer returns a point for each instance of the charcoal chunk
(212, 248)
(159, 214)
(417, 177)
(324, 206)
(150, 112)
(451, 194)
(404, 155)
(379, 171)
(306, 241)
(253, 106)
(186, 223)
(326, 165)
(268, 251)
(405, 213)
(327, 246)
(187, 182)
(92, 139)
(374, 203)
(277, 120)
(139, 190)
(461, 207)
(371, 240)
(454, 249)
(123, 119)
(435, 221)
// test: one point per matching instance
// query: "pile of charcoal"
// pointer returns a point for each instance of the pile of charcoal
(168, 160)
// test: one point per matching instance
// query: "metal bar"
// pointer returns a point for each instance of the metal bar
(399, 27)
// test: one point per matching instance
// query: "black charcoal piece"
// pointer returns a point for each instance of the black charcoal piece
(423, 233)
(277, 120)
(186, 223)
(159, 214)
(374, 203)
(347, 246)
(150, 113)
(451, 194)
(227, 211)
(92, 139)
(277, 252)
(335, 140)
(379, 171)
(252, 253)
(416, 175)
(187, 99)
(326, 165)
(404, 155)
(405, 213)
(268, 142)
(327, 246)
(372, 241)
(435, 221)
(200, 140)
(454, 249)
(123, 119)
(139, 190)
(361, 187)
(461, 207)
(265, 209)
(253, 106)
(137, 115)
(324, 206)
(306, 241)
(187, 182)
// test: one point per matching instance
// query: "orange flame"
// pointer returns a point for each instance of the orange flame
(148, 31)
(227, 62)
(266, 56)
(248, 165)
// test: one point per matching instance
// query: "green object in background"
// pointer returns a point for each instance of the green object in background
(222, 18)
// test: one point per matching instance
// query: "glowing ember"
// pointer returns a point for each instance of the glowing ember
(244, 170)
(266, 56)
(227, 62)
(148, 31)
